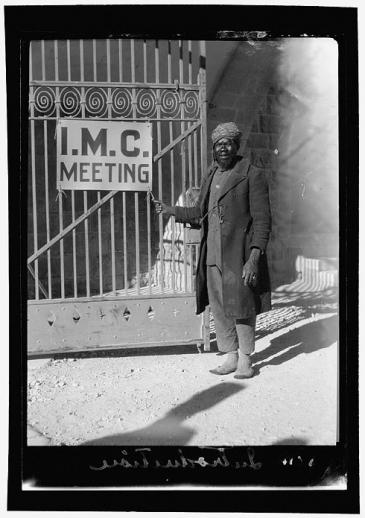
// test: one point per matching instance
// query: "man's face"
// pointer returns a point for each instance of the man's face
(225, 151)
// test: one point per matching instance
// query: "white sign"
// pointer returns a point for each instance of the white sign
(104, 155)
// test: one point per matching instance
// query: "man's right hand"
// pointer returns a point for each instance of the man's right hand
(162, 208)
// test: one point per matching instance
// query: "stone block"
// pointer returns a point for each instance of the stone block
(269, 123)
(255, 128)
(225, 99)
(258, 140)
(274, 105)
(223, 115)
(274, 140)
(243, 116)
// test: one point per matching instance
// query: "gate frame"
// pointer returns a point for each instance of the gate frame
(37, 305)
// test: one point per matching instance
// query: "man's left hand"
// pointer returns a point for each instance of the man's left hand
(250, 268)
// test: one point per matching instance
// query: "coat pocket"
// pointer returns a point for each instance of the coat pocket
(247, 225)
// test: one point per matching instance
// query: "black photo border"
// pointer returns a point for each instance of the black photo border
(62, 473)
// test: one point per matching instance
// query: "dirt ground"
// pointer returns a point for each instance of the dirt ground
(167, 396)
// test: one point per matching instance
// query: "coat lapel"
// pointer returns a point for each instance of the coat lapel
(206, 186)
(238, 173)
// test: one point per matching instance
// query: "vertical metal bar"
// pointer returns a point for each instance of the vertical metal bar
(190, 186)
(86, 222)
(124, 215)
(112, 211)
(203, 141)
(182, 127)
(136, 219)
(149, 261)
(74, 258)
(60, 200)
(159, 169)
(190, 63)
(45, 133)
(34, 190)
(148, 203)
(189, 138)
(100, 247)
(206, 329)
(125, 260)
(46, 183)
(145, 61)
(203, 105)
(112, 243)
(133, 74)
(68, 47)
(94, 61)
(120, 55)
(190, 155)
(171, 135)
(196, 181)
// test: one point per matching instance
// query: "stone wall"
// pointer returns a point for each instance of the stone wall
(284, 99)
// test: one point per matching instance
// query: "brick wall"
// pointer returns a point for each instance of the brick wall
(266, 90)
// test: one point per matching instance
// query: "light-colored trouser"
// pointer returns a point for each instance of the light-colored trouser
(232, 334)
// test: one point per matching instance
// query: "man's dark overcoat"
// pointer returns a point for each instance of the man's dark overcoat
(245, 223)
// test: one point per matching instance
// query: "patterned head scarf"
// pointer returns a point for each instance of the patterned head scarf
(226, 130)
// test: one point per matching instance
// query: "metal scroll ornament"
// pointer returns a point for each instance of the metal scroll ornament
(191, 104)
(122, 102)
(146, 103)
(170, 103)
(44, 99)
(96, 102)
(70, 102)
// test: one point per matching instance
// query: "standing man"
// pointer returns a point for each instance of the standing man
(233, 210)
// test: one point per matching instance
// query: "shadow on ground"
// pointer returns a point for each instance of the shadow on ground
(302, 340)
(290, 441)
(170, 430)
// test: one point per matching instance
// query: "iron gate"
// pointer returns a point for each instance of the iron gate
(104, 270)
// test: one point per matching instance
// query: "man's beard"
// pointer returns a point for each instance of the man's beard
(225, 162)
